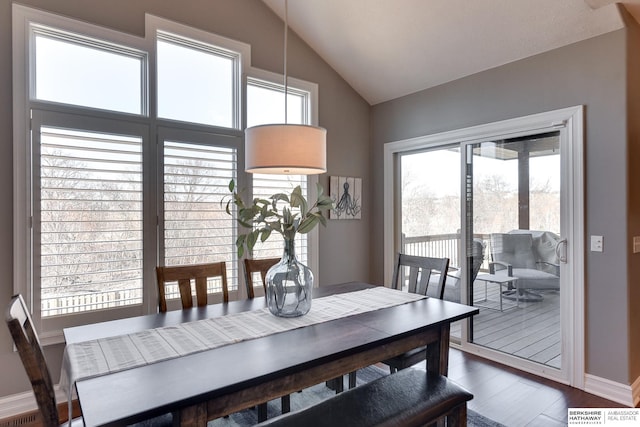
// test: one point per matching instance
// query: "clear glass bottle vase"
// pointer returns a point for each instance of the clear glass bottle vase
(289, 285)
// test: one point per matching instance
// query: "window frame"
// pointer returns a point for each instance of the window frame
(198, 137)
(242, 51)
(50, 327)
(26, 109)
(311, 89)
(36, 29)
(26, 20)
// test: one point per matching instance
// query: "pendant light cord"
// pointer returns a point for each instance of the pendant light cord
(286, 27)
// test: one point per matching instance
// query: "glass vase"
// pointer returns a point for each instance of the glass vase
(289, 285)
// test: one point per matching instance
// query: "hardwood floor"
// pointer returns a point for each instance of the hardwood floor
(516, 398)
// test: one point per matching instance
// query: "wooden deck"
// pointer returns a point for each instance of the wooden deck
(530, 330)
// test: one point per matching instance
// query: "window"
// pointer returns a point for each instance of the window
(195, 81)
(196, 228)
(77, 70)
(265, 104)
(115, 176)
(196, 179)
(89, 220)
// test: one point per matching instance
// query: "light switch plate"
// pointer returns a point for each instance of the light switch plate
(636, 244)
(596, 243)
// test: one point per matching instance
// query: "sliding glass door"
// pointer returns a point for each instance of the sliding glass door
(503, 202)
(430, 212)
(514, 214)
(430, 205)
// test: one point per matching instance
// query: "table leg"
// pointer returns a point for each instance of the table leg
(336, 384)
(285, 401)
(438, 352)
(438, 358)
(192, 416)
(262, 412)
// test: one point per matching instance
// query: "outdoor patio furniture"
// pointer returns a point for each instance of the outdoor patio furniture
(452, 285)
(531, 257)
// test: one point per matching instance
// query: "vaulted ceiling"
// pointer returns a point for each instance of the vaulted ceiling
(390, 48)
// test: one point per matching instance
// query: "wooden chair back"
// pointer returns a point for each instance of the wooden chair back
(257, 266)
(28, 345)
(421, 278)
(184, 275)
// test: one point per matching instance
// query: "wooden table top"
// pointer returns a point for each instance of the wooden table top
(167, 386)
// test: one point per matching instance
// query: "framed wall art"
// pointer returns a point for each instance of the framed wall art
(346, 193)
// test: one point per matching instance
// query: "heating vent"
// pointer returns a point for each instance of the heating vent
(21, 421)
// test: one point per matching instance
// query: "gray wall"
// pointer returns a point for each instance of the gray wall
(633, 124)
(591, 73)
(342, 112)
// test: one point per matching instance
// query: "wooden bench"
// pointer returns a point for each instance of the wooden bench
(409, 397)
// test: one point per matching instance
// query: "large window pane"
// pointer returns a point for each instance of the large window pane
(90, 221)
(430, 206)
(516, 208)
(265, 104)
(197, 228)
(195, 83)
(75, 71)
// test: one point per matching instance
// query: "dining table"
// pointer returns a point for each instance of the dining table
(227, 377)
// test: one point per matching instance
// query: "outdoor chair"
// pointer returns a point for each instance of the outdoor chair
(453, 283)
(530, 257)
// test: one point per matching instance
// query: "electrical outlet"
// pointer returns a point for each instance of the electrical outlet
(596, 243)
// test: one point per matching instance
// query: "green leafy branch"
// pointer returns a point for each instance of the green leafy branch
(286, 214)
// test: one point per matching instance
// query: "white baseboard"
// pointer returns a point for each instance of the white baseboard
(621, 393)
(17, 404)
(635, 392)
(21, 403)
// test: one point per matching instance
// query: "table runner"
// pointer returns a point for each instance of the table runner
(108, 355)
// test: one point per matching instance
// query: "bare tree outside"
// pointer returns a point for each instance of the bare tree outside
(431, 199)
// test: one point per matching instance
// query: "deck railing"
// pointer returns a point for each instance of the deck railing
(437, 246)
(443, 246)
(56, 305)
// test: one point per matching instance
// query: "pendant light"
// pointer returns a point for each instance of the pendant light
(290, 149)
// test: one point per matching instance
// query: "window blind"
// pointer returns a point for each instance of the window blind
(90, 220)
(197, 228)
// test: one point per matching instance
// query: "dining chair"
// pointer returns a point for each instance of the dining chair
(252, 266)
(425, 276)
(261, 266)
(28, 345)
(184, 275)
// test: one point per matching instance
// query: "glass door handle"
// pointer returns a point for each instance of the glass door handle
(561, 251)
